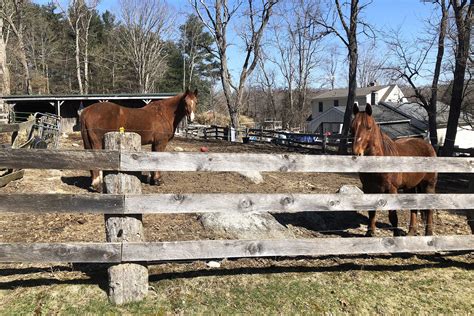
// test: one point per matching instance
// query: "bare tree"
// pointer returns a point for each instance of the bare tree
(4, 71)
(146, 25)
(217, 17)
(12, 12)
(412, 63)
(330, 67)
(370, 67)
(296, 41)
(349, 38)
(463, 18)
(85, 26)
(78, 15)
(266, 81)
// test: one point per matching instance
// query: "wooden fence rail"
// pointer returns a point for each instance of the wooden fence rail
(227, 202)
(181, 161)
(115, 252)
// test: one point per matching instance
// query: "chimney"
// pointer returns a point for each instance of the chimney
(373, 83)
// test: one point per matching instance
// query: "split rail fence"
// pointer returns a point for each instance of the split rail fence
(127, 204)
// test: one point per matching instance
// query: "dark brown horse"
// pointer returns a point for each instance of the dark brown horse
(156, 123)
(369, 140)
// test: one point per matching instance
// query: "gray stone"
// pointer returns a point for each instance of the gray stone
(245, 226)
(252, 176)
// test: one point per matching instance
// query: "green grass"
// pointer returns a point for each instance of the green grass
(447, 290)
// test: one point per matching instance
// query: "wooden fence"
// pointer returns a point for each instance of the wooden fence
(129, 204)
(295, 141)
(303, 142)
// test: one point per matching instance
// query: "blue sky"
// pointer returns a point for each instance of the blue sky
(382, 14)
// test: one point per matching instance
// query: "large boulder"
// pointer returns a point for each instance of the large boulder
(245, 226)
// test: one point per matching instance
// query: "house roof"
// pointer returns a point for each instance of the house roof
(340, 93)
(417, 112)
(392, 122)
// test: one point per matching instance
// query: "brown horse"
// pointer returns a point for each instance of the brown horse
(369, 140)
(156, 123)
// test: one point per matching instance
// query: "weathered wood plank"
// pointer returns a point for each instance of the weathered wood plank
(60, 252)
(50, 203)
(210, 249)
(179, 161)
(9, 177)
(59, 159)
(290, 203)
(227, 202)
(16, 127)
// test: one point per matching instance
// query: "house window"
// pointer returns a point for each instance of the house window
(336, 102)
(320, 106)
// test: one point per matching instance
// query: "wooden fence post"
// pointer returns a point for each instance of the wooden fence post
(470, 213)
(128, 282)
(325, 141)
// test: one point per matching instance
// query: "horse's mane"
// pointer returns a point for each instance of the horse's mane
(174, 100)
(389, 147)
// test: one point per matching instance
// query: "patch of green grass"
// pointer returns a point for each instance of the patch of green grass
(434, 290)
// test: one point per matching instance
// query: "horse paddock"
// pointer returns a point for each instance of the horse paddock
(378, 284)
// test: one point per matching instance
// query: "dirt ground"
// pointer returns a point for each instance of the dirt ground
(16, 227)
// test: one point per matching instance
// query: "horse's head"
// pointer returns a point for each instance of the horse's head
(190, 104)
(363, 130)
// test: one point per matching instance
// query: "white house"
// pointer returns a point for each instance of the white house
(326, 108)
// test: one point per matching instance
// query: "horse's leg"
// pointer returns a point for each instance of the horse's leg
(412, 227)
(371, 228)
(430, 188)
(96, 174)
(392, 215)
(413, 218)
(156, 175)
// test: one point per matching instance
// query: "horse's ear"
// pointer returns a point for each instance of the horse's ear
(355, 108)
(187, 91)
(196, 92)
(368, 109)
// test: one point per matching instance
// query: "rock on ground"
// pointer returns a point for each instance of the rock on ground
(245, 226)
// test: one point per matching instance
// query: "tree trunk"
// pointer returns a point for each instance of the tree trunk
(351, 94)
(463, 25)
(78, 59)
(352, 47)
(432, 125)
(4, 72)
(24, 64)
(434, 86)
(86, 61)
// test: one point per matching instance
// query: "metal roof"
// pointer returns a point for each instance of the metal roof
(68, 97)
(392, 122)
(417, 112)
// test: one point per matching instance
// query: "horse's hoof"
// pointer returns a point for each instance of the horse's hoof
(398, 233)
(429, 233)
(411, 233)
(95, 188)
(156, 182)
(369, 233)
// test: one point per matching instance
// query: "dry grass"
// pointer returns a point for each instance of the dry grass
(215, 118)
(376, 285)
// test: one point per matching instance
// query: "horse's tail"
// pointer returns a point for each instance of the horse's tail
(85, 132)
